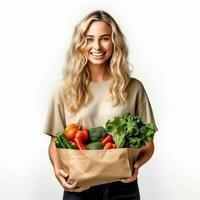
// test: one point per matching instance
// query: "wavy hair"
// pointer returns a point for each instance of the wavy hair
(77, 75)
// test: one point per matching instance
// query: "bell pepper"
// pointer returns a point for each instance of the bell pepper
(107, 139)
(79, 143)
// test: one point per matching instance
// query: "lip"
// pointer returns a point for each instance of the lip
(100, 53)
(96, 56)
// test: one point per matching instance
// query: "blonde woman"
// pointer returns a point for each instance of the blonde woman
(96, 87)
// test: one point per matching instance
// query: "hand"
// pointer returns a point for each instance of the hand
(134, 176)
(78, 189)
(68, 186)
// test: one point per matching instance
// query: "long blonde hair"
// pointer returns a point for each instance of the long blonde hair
(76, 73)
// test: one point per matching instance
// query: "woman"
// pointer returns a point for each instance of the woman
(96, 87)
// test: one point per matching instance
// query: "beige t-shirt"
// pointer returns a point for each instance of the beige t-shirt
(100, 109)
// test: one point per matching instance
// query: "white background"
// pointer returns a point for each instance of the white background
(162, 37)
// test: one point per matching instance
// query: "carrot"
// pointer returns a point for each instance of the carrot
(108, 145)
(114, 146)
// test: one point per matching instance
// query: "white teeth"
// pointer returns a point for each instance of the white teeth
(97, 53)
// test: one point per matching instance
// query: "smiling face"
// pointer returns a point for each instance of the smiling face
(99, 43)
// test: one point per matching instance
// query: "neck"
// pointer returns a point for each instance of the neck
(99, 73)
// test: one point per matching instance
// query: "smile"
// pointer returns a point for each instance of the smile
(97, 54)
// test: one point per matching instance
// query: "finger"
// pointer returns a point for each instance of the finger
(136, 165)
(81, 189)
(132, 178)
(135, 172)
(135, 175)
(78, 189)
(68, 186)
(123, 180)
(127, 180)
(62, 173)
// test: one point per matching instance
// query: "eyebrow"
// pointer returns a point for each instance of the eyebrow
(100, 36)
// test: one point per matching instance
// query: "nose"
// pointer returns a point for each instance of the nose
(96, 44)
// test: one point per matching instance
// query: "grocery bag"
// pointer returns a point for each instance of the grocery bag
(96, 167)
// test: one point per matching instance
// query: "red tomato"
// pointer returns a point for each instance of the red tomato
(72, 126)
(73, 131)
(85, 133)
(70, 133)
(79, 134)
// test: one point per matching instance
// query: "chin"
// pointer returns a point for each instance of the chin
(97, 62)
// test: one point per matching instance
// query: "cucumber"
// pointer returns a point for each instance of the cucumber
(67, 144)
(94, 146)
(59, 141)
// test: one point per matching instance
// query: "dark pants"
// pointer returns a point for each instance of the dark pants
(110, 191)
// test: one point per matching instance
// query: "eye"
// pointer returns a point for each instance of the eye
(90, 39)
(105, 39)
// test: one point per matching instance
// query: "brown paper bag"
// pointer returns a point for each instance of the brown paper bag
(95, 167)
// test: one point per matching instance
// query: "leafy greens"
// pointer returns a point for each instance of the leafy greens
(129, 131)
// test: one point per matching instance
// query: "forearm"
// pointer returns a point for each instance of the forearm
(53, 154)
(145, 153)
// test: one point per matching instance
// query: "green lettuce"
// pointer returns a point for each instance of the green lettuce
(129, 131)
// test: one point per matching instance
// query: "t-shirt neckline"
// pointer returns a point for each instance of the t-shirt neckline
(99, 84)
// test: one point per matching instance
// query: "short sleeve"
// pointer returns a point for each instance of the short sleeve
(144, 109)
(55, 120)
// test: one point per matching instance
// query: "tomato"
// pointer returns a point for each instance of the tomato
(85, 133)
(72, 126)
(70, 133)
(79, 134)
(73, 131)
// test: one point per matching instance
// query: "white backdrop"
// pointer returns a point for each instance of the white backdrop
(162, 39)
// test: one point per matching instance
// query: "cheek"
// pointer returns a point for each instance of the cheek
(110, 48)
(87, 49)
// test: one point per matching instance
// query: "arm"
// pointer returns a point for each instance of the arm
(59, 172)
(144, 155)
(53, 154)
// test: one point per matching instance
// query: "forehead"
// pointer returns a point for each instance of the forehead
(98, 28)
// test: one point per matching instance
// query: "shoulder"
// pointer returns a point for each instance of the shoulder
(137, 89)
(135, 84)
